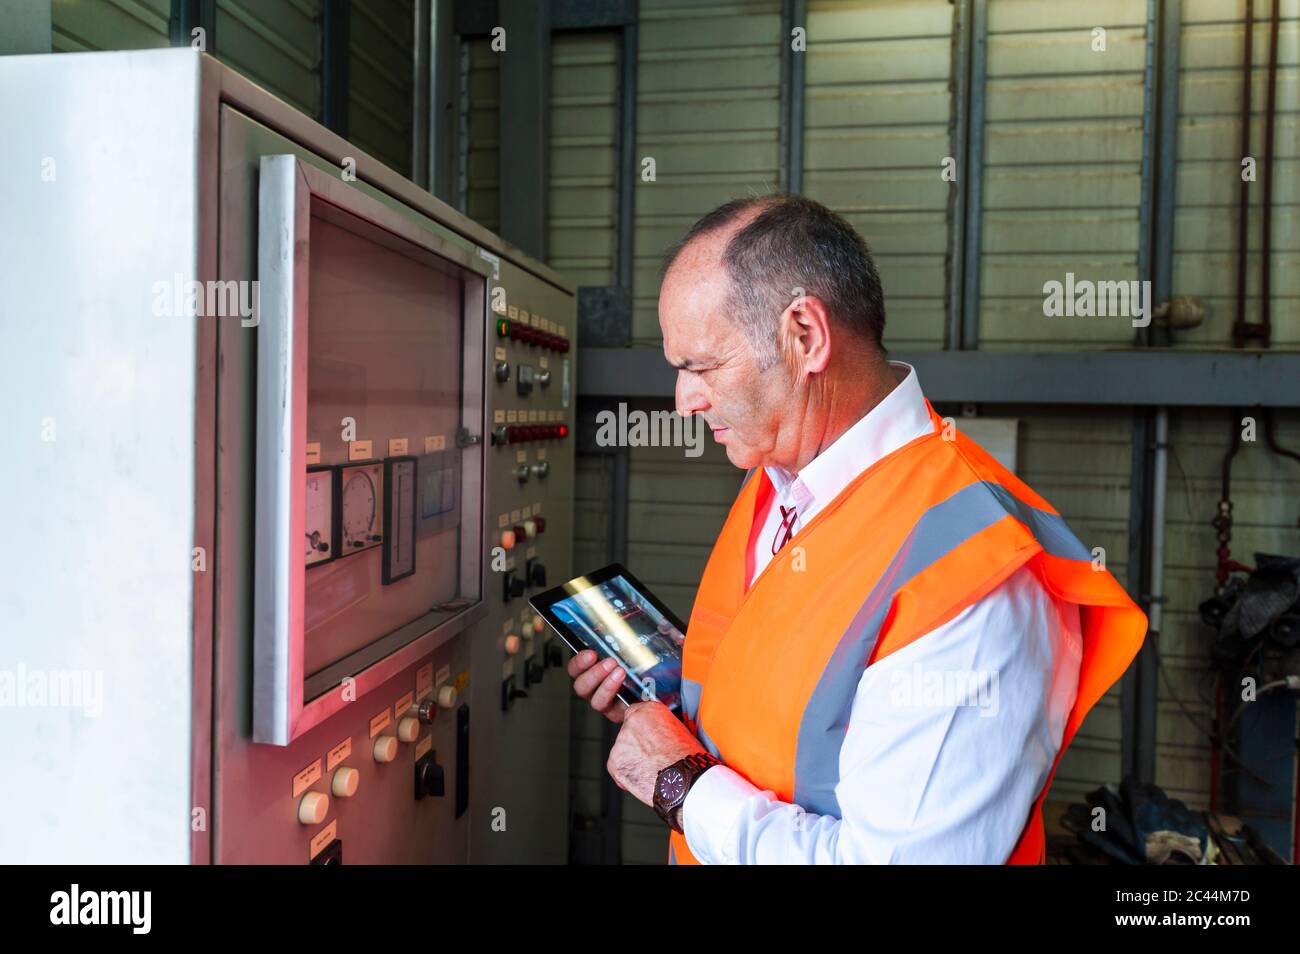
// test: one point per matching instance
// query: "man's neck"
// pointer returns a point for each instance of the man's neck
(842, 404)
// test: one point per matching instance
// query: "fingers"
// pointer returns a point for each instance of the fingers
(598, 682)
(580, 663)
(606, 693)
(590, 677)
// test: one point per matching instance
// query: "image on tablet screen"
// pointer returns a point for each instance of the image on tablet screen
(615, 620)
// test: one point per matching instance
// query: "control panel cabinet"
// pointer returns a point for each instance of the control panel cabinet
(372, 465)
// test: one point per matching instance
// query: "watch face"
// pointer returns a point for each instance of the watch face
(672, 785)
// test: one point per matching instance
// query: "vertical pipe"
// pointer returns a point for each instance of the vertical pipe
(611, 796)
(1170, 33)
(625, 152)
(1132, 689)
(974, 172)
(422, 88)
(957, 133)
(1239, 329)
(336, 16)
(462, 129)
(1149, 656)
(1147, 236)
(1266, 241)
(793, 14)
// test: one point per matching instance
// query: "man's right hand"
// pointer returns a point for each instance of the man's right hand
(598, 683)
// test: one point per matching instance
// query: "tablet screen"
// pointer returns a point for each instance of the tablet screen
(611, 612)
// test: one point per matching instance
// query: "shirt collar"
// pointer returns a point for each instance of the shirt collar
(897, 420)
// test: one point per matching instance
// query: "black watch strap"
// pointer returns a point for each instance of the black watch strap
(691, 767)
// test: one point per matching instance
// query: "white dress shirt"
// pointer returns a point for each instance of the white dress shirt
(923, 778)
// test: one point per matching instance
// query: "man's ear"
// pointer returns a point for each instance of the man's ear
(806, 334)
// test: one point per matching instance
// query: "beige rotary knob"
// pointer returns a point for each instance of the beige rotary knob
(408, 729)
(345, 782)
(446, 696)
(385, 748)
(512, 645)
(313, 808)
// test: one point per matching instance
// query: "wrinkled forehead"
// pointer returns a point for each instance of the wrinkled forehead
(694, 311)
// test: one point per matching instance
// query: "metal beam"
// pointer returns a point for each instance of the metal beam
(1145, 377)
(793, 14)
(973, 171)
(958, 130)
(478, 17)
(625, 176)
(1171, 24)
(525, 70)
(336, 20)
(186, 15)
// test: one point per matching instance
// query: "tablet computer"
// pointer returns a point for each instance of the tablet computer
(612, 612)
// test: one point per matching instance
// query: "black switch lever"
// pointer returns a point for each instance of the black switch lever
(430, 779)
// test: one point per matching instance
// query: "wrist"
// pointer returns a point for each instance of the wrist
(674, 782)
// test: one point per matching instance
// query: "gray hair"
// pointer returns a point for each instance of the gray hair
(794, 246)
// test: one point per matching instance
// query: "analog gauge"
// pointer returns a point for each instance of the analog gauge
(399, 525)
(318, 543)
(361, 506)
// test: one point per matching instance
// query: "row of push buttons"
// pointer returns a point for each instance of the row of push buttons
(521, 532)
(315, 805)
(521, 433)
(520, 332)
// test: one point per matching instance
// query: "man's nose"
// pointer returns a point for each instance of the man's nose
(688, 395)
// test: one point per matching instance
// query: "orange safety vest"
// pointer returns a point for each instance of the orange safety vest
(769, 674)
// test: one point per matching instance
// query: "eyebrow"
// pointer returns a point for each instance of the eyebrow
(686, 364)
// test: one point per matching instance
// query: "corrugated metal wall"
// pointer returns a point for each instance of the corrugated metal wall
(876, 132)
(275, 44)
(381, 81)
(479, 152)
(708, 109)
(80, 25)
(1063, 154)
(1209, 167)
(1266, 488)
(584, 119)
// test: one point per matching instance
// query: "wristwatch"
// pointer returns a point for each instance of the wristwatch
(673, 782)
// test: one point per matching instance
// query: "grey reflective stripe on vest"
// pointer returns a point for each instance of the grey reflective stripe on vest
(691, 698)
(672, 855)
(691, 691)
(939, 531)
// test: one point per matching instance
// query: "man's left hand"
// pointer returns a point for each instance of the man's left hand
(650, 739)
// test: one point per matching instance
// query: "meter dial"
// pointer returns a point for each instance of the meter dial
(399, 527)
(318, 543)
(361, 507)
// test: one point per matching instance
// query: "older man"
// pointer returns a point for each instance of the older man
(894, 638)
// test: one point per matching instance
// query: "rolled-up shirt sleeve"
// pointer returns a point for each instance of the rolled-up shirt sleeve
(950, 740)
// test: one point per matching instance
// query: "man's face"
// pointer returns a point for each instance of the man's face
(717, 374)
